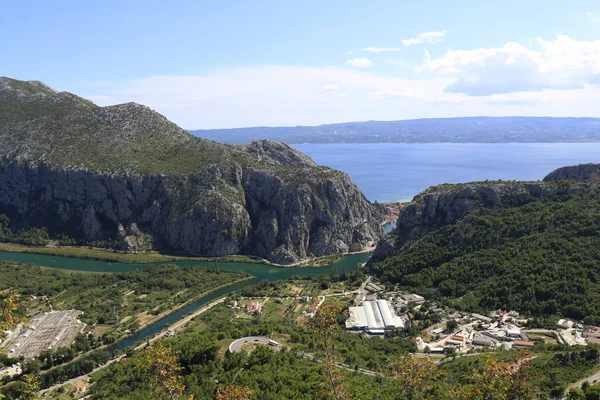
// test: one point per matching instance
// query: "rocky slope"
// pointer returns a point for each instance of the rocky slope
(444, 205)
(579, 173)
(126, 173)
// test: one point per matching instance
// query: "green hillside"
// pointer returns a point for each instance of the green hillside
(542, 258)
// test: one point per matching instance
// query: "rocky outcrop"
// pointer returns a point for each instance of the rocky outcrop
(579, 173)
(444, 205)
(126, 173)
(272, 218)
(278, 153)
(132, 239)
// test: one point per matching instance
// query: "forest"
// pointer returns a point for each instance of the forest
(542, 258)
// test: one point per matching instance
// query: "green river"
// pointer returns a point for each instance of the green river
(259, 271)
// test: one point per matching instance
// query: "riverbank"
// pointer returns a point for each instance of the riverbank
(323, 261)
(178, 307)
(97, 254)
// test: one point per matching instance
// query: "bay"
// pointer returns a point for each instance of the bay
(397, 172)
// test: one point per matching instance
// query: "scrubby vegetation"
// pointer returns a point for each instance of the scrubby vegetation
(542, 258)
(269, 374)
(105, 297)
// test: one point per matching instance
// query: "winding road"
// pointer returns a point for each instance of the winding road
(237, 345)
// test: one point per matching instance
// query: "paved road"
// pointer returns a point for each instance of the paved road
(173, 327)
(591, 379)
(236, 346)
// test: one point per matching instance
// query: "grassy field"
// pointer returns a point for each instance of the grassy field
(87, 253)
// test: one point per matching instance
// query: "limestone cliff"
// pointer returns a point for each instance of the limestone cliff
(580, 173)
(125, 172)
(444, 205)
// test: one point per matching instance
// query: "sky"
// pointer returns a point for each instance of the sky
(226, 64)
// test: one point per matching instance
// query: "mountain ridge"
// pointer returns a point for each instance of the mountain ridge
(527, 246)
(426, 130)
(109, 173)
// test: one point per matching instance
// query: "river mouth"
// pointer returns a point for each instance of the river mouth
(260, 272)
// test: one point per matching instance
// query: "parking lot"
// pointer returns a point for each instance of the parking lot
(47, 331)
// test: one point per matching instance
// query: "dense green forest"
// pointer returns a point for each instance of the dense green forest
(542, 258)
(103, 297)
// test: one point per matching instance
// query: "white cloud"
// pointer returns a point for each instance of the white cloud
(381, 49)
(426, 37)
(561, 64)
(290, 95)
(359, 63)
(595, 18)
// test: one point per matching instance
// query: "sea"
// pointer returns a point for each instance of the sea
(397, 172)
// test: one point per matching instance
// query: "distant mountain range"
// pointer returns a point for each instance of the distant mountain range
(435, 130)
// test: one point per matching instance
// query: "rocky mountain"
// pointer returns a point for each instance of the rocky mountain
(533, 247)
(444, 205)
(429, 130)
(580, 173)
(126, 173)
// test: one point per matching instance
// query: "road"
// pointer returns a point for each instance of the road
(591, 379)
(236, 346)
(74, 380)
(177, 325)
(174, 327)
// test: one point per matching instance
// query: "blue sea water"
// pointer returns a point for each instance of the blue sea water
(397, 172)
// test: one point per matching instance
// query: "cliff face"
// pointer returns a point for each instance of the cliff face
(444, 205)
(441, 206)
(579, 173)
(125, 172)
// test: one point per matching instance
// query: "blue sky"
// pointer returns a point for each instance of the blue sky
(245, 63)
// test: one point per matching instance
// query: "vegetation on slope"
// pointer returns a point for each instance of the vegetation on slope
(272, 374)
(38, 124)
(542, 258)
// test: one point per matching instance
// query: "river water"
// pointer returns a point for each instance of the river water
(259, 271)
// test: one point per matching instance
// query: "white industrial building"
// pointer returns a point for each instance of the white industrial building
(373, 316)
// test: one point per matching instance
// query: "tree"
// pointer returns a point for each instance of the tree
(416, 377)
(451, 325)
(8, 305)
(575, 394)
(160, 366)
(323, 327)
(499, 379)
(449, 351)
(29, 388)
(233, 393)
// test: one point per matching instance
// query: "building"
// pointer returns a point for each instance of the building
(483, 341)
(373, 316)
(513, 333)
(252, 307)
(413, 298)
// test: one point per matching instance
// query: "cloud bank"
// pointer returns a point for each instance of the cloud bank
(562, 64)
(560, 77)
